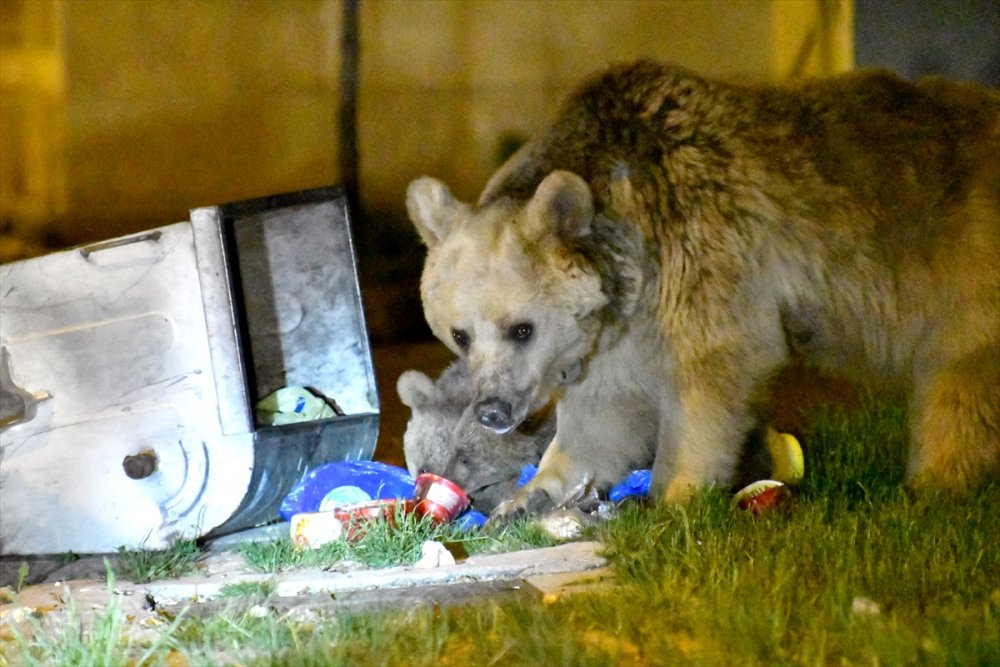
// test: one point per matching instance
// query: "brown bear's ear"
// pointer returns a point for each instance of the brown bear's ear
(518, 174)
(415, 389)
(432, 209)
(562, 205)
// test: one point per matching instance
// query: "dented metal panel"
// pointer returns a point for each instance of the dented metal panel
(131, 366)
(115, 334)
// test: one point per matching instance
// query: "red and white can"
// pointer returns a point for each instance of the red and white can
(439, 498)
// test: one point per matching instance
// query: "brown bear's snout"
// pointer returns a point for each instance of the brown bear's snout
(494, 413)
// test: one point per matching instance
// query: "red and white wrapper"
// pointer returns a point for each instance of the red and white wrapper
(439, 498)
(763, 496)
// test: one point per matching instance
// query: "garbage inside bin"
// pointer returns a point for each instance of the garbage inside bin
(290, 405)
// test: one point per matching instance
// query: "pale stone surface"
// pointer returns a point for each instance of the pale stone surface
(570, 557)
(547, 574)
(54, 604)
(559, 584)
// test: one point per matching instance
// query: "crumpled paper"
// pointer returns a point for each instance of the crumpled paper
(433, 554)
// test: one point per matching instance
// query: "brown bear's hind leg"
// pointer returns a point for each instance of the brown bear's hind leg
(955, 423)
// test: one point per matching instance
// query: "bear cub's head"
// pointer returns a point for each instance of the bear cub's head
(441, 437)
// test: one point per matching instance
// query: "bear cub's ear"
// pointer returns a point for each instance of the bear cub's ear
(563, 205)
(432, 209)
(415, 389)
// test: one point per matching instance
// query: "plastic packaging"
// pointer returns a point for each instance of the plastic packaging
(635, 485)
(433, 554)
(439, 498)
(471, 520)
(346, 483)
(528, 471)
(351, 522)
(763, 496)
(311, 530)
(787, 462)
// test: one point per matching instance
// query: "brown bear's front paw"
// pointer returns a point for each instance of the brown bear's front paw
(523, 504)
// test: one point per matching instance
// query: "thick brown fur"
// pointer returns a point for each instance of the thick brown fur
(673, 241)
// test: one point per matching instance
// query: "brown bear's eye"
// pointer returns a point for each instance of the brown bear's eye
(460, 337)
(520, 332)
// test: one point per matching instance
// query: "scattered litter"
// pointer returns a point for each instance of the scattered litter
(580, 507)
(344, 483)
(430, 496)
(787, 462)
(528, 471)
(433, 554)
(335, 501)
(566, 524)
(439, 498)
(312, 530)
(582, 504)
(471, 520)
(582, 494)
(763, 496)
(351, 522)
(636, 485)
(787, 469)
(343, 495)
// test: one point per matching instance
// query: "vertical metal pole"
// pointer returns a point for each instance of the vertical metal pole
(350, 47)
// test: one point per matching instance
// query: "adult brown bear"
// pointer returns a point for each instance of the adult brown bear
(653, 258)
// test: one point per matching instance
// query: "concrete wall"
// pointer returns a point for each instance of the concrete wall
(464, 73)
(173, 104)
(32, 126)
(151, 107)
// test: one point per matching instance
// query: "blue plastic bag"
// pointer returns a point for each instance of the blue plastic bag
(345, 483)
(472, 519)
(636, 484)
(528, 471)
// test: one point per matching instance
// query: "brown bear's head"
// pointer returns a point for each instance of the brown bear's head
(506, 288)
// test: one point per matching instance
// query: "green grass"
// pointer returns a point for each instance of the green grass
(249, 589)
(383, 545)
(141, 566)
(856, 571)
(103, 643)
(779, 589)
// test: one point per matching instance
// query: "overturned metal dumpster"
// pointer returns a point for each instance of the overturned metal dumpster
(131, 367)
